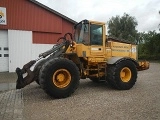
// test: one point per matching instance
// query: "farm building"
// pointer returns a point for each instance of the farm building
(28, 28)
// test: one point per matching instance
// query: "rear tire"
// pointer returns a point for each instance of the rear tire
(59, 77)
(123, 75)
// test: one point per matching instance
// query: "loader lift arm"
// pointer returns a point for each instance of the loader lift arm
(56, 51)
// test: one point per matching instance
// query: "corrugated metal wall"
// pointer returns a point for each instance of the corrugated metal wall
(31, 30)
(51, 38)
(25, 15)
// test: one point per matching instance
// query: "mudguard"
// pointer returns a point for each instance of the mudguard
(115, 60)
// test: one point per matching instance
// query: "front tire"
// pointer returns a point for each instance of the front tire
(37, 68)
(59, 77)
(123, 75)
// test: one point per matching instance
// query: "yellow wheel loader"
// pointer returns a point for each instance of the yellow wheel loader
(89, 54)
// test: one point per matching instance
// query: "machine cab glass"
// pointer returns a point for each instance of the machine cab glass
(96, 36)
(82, 33)
(88, 34)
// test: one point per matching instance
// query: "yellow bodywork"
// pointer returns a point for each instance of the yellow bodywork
(97, 56)
(101, 54)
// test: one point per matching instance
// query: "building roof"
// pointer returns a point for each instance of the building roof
(53, 11)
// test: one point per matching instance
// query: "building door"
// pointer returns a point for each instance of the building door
(4, 51)
(20, 46)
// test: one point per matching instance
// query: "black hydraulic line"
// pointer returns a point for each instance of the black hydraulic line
(52, 50)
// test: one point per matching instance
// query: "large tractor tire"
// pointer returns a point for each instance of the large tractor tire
(37, 69)
(122, 75)
(59, 77)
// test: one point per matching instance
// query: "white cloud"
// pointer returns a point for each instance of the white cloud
(145, 11)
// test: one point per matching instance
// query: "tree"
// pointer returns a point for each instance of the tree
(123, 27)
(159, 24)
(150, 47)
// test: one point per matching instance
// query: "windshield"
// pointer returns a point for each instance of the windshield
(82, 33)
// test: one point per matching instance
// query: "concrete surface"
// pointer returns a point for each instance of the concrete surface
(7, 81)
(6, 77)
(11, 104)
(91, 101)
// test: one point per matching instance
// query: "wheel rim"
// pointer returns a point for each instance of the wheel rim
(125, 74)
(61, 78)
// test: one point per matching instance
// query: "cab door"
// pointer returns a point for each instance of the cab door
(96, 39)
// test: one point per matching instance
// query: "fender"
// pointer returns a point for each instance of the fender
(116, 60)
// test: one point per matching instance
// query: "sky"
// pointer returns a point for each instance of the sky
(146, 12)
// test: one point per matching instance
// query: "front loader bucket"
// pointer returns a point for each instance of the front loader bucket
(22, 82)
(143, 65)
(20, 79)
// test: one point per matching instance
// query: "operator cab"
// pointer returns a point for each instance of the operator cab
(89, 33)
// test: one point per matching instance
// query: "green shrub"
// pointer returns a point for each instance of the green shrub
(149, 57)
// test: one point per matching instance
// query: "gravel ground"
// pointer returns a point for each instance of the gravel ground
(94, 101)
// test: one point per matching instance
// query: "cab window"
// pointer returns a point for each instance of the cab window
(82, 34)
(96, 35)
